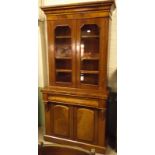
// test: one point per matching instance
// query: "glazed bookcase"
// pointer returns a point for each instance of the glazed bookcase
(75, 98)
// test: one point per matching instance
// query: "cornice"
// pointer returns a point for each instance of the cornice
(107, 6)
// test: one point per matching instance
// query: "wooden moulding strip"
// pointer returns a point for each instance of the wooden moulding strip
(77, 16)
(98, 149)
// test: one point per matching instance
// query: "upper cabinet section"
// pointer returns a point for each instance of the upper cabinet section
(78, 44)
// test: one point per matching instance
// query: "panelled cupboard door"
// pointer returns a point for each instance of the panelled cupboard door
(59, 120)
(76, 123)
(61, 42)
(85, 125)
(61, 117)
(91, 52)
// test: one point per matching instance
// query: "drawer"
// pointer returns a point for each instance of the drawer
(74, 100)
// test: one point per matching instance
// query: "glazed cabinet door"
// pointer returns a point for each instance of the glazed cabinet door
(61, 40)
(91, 52)
(59, 120)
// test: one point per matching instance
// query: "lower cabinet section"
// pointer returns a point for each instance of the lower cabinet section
(75, 123)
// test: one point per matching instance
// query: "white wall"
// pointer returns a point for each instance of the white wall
(112, 54)
(42, 55)
(112, 60)
(40, 63)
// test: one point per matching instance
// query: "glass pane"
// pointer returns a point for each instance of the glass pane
(63, 64)
(63, 54)
(89, 50)
(89, 79)
(63, 41)
(63, 31)
(63, 77)
(89, 65)
(90, 41)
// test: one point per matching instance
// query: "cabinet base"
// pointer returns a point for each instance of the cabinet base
(98, 149)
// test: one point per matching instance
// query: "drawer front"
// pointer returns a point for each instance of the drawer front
(72, 100)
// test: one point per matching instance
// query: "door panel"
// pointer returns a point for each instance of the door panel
(62, 52)
(85, 124)
(61, 120)
(90, 51)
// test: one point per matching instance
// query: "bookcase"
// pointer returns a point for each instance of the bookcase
(76, 96)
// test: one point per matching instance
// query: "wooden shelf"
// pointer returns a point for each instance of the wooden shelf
(90, 36)
(63, 37)
(89, 72)
(64, 70)
(63, 58)
(89, 58)
(66, 83)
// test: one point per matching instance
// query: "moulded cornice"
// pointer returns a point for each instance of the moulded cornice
(107, 6)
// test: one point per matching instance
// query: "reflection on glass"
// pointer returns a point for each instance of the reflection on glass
(82, 50)
(82, 77)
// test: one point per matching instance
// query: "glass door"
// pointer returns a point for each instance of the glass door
(88, 53)
(63, 53)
